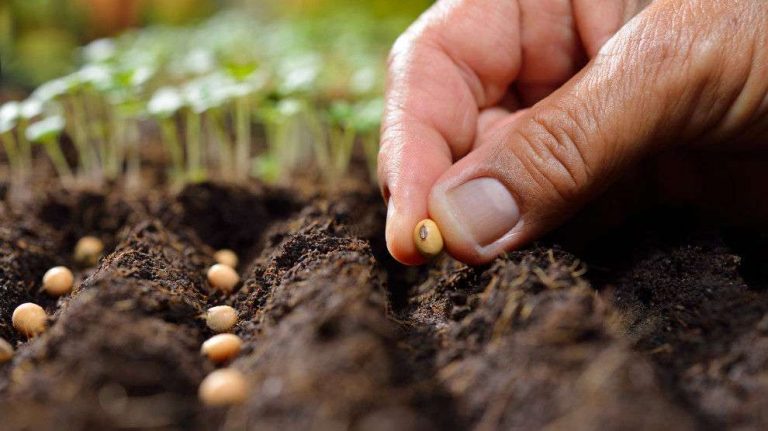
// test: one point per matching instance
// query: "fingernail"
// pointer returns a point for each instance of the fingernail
(484, 208)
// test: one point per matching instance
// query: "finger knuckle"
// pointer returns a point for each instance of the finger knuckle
(554, 152)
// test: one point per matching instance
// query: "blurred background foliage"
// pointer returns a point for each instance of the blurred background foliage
(39, 38)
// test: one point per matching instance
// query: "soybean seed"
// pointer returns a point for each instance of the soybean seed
(427, 238)
(227, 257)
(221, 318)
(223, 387)
(6, 351)
(29, 319)
(88, 251)
(222, 347)
(58, 281)
(223, 277)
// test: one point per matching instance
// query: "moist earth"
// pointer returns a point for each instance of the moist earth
(660, 324)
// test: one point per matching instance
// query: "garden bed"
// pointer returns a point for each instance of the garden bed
(658, 326)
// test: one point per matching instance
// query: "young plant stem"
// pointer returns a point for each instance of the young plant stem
(194, 147)
(242, 137)
(115, 150)
(85, 153)
(25, 149)
(58, 159)
(320, 143)
(12, 153)
(133, 145)
(341, 144)
(171, 139)
(227, 162)
(99, 119)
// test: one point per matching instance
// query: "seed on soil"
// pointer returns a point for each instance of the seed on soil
(29, 319)
(223, 277)
(222, 347)
(88, 251)
(227, 257)
(221, 318)
(58, 281)
(427, 238)
(223, 387)
(6, 351)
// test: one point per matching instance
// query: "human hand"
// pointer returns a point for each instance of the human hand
(503, 118)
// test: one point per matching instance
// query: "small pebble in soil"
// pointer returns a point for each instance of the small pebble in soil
(58, 281)
(221, 318)
(88, 251)
(222, 347)
(223, 387)
(6, 351)
(223, 277)
(29, 319)
(227, 257)
(428, 239)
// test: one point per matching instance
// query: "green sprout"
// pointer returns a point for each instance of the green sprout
(164, 105)
(63, 90)
(46, 132)
(9, 115)
(366, 122)
(211, 89)
(342, 137)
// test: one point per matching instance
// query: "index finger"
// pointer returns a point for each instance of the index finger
(458, 58)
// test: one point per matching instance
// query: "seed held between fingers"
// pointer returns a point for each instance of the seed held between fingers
(428, 239)
(221, 318)
(223, 277)
(227, 257)
(223, 387)
(222, 347)
(88, 251)
(58, 281)
(6, 351)
(29, 319)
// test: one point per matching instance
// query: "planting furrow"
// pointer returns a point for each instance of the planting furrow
(527, 344)
(123, 351)
(26, 252)
(322, 350)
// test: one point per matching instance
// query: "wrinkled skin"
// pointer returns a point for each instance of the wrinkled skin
(560, 100)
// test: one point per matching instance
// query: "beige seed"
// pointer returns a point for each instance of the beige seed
(6, 351)
(29, 319)
(227, 257)
(88, 251)
(58, 281)
(221, 318)
(223, 277)
(223, 387)
(222, 347)
(427, 238)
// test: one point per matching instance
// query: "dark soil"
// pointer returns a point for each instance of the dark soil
(663, 324)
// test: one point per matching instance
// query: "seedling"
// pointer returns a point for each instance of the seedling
(29, 319)
(221, 318)
(164, 105)
(427, 238)
(9, 115)
(88, 251)
(222, 277)
(6, 351)
(62, 89)
(58, 281)
(47, 132)
(226, 257)
(223, 387)
(222, 347)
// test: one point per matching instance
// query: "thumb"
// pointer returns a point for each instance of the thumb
(660, 81)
